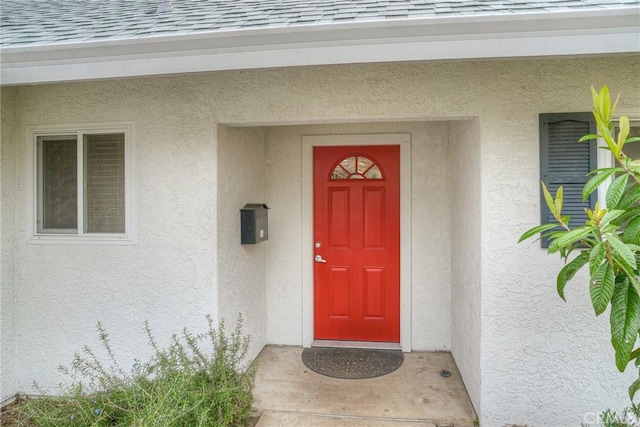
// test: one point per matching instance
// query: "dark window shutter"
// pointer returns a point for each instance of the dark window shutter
(566, 162)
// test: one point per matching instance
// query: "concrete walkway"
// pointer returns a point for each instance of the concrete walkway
(289, 394)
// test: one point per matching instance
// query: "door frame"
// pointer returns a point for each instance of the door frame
(310, 141)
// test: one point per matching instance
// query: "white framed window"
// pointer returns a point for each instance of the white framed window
(605, 158)
(81, 183)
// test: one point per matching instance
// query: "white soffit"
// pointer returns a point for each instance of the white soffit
(593, 32)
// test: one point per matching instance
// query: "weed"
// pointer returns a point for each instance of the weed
(198, 380)
(630, 417)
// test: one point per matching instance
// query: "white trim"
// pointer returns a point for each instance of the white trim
(308, 142)
(601, 31)
(129, 237)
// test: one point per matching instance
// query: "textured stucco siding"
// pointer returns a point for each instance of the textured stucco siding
(284, 258)
(241, 268)
(430, 274)
(542, 362)
(168, 278)
(466, 214)
(7, 253)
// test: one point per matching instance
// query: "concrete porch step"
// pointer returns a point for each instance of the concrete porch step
(288, 393)
(293, 419)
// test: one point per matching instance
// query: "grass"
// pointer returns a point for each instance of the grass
(198, 380)
(630, 417)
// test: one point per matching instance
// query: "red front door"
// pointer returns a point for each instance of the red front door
(357, 243)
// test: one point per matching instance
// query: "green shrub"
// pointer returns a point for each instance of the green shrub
(630, 417)
(198, 380)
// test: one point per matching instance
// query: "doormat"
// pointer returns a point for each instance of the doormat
(352, 363)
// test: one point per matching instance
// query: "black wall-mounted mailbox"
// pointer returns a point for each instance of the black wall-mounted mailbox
(254, 223)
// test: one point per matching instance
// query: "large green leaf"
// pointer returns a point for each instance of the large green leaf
(631, 232)
(630, 197)
(613, 109)
(602, 112)
(604, 102)
(559, 200)
(589, 137)
(565, 240)
(623, 125)
(611, 216)
(601, 288)
(596, 257)
(570, 270)
(549, 200)
(610, 228)
(554, 234)
(606, 135)
(628, 214)
(633, 389)
(595, 182)
(536, 230)
(635, 283)
(616, 191)
(625, 320)
(626, 256)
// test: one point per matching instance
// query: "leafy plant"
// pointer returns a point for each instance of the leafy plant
(609, 242)
(198, 380)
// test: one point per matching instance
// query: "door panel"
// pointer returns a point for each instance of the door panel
(338, 220)
(373, 214)
(374, 285)
(357, 236)
(339, 293)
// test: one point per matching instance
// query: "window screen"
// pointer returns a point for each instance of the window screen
(58, 184)
(104, 196)
(88, 200)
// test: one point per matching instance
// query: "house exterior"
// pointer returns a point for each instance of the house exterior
(208, 106)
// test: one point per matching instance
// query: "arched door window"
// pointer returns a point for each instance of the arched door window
(356, 167)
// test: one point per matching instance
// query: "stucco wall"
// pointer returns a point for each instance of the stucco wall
(241, 268)
(168, 278)
(430, 234)
(7, 254)
(543, 362)
(466, 214)
(550, 362)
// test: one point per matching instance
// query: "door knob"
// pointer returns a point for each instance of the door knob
(319, 259)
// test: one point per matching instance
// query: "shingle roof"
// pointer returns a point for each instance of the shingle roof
(47, 22)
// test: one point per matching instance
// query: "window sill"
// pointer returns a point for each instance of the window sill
(68, 239)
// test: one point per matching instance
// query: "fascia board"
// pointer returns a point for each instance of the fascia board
(478, 37)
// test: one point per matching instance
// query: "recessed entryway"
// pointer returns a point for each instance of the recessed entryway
(357, 314)
(437, 308)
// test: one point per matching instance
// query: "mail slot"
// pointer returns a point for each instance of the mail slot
(254, 223)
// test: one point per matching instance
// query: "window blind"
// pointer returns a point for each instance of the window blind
(104, 177)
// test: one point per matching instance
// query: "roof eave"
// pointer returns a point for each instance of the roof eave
(593, 32)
